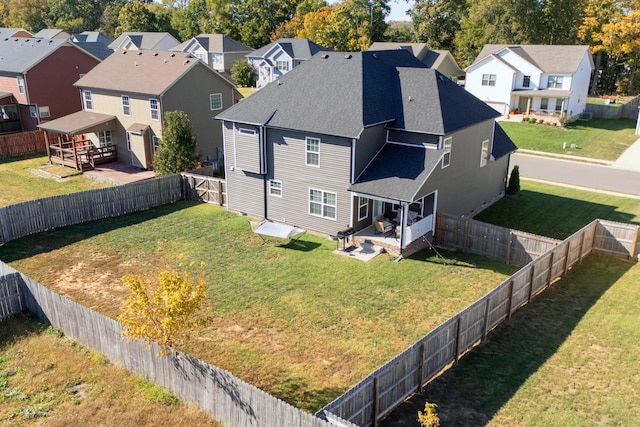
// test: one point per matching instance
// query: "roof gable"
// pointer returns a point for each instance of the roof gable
(141, 40)
(548, 58)
(147, 72)
(299, 49)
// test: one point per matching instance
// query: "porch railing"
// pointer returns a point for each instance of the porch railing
(419, 229)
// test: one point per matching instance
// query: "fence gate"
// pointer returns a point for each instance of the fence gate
(205, 189)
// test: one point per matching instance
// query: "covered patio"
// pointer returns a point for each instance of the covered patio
(532, 103)
(72, 148)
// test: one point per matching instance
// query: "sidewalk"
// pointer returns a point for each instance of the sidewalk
(630, 159)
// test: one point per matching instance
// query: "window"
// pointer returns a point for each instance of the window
(154, 108)
(363, 208)
(88, 103)
(558, 104)
(484, 156)
(446, 158)
(215, 101)
(216, 58)
(128, 141)
(282, 65)
(200, 56)
(488, 80)
(313, 152)
(554, 82)
(126, 107)
(156, 143)
(322, 203)
(20, 84)
(275, 188)
(32, 111)
(105, 138)
(44, 111)
(526, 81)
(544, 103)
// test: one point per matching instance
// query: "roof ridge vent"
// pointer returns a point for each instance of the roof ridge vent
(325, 56)
(139, 52)
(348, 56)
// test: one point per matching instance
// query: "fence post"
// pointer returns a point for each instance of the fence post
(420, 368)
(458, 325)
(220, 203)
(565, 268)
(375, 402)
(634, 242)
(509, 247)
(533, 275)
(486, 319)
(465, 237)
(549, 278)
(510, 299)
(581, 246)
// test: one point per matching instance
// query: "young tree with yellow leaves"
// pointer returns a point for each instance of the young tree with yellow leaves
(429, 418)
(163, 315)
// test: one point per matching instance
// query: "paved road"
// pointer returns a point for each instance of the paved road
(578, 174)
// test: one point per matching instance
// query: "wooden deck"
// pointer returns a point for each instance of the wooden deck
(80, 154)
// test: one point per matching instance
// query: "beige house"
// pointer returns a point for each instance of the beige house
(124, 101)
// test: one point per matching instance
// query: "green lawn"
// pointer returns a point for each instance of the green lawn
(558, 212)
(596, 138)
(297, 321)
(570, 358)
(32, 177)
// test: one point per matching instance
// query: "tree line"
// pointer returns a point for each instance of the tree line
(610, 27)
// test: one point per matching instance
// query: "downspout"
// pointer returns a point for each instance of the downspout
(263, 169)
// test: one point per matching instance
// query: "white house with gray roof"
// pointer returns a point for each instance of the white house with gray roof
(346, 138)
(216, 50)
(276, 59)
(533, 79)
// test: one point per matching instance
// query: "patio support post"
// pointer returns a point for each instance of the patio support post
(528, 105)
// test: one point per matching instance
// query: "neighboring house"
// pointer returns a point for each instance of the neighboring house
(125, 98)
(93, 42)
(39, 75)
(52, 33)
(216, 50)
(348, 137)
(276, 59)
(14, 32)
(440, 60)
(161, 42)
(538, 79)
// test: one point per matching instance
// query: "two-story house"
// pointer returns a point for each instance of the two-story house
(348, 137)
(125, 98)
(216, 50)
(36, 78)
(276, 59)
(440, 60)
(539, 79)
(149, 40)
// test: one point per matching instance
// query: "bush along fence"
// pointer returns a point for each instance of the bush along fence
(383, 390)
(21, 144)
(218, 392)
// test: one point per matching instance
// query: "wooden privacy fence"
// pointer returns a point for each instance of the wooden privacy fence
(20, 144)
(26, 218)
(509, 246)
(10, 295)
(204, 188)
(383, 390)
(218, 392)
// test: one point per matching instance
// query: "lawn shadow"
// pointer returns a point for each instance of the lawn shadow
(51, 240)
(551, 215)
(300, 245)
(606, 124)
(484, 380)
(25, 157)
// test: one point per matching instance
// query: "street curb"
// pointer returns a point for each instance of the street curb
(565, 157)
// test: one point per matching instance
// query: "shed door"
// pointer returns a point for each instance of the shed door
(139, 150)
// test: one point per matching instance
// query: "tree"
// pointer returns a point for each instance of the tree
(136, 16)
(429, 418)
(242, 73)
(177, 149)
(436, 22)
(513, 187)
(353, 25)
(164, 315)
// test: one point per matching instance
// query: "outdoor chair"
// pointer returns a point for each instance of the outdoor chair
(383, 227)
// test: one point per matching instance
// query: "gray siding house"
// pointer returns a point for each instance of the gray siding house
(347, 137)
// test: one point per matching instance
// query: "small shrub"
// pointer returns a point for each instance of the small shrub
(153, 392)
(513, 186)
(564, 120)
(429, 418)
(541, 121)
(242, 73)
(525, 119)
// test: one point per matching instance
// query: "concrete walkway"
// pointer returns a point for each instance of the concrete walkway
(630, 159)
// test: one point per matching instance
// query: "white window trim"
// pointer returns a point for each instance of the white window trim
(446, 145)
(322, 204)
(44, 111)
(363, 205)
(490, 79)
(87, 98)
(211, 98)
(555, 78)
(306, 152)
(127, 105)
(155, 143)
(286, 66)
(484, 153)
(271, 188)
(151, 110)
(21, 87)
(105, 139)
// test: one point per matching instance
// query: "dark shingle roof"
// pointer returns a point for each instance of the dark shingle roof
(398, 172)
(342, 93)
(502, 144)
